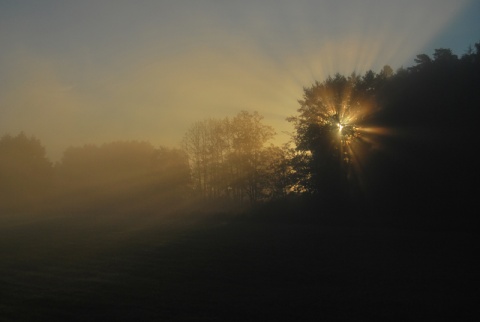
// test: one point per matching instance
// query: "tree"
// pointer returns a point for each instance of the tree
(279, 174)
(25, 171)
(226, 156)
(422, 60)
(122, 172)
(326, 128)
(434, 105)
(444, 55)
(108, 165)
(169, 175)
(386, 72)
(208, 145)
(249, 138)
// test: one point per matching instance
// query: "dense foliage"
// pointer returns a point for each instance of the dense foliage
(407, 147)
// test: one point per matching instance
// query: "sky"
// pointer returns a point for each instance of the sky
(96, 71)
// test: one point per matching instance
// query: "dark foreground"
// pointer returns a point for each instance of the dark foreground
(92, 269)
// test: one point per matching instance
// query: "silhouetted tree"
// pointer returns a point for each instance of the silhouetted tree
(434, 105)
(326, 126)
(279, 174)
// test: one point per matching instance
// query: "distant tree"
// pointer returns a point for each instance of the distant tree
(25, 171)
(444, 55)
(249, 138)
(227, 156)
(122, 171)
(472, 56)
(279, 174)
(386, 72)
(108, 164)
(423, 60)
(169, 175)
(208, 144)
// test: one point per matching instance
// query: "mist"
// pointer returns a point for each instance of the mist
(124, 72)
(238, 161)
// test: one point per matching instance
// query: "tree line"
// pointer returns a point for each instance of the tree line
(393, 141)
(115, 175)
(229, 158)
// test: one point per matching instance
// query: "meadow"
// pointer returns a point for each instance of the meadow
(89, 267)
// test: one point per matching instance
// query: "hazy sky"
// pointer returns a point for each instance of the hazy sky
(94, 71)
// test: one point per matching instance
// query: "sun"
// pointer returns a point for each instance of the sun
(345, 129)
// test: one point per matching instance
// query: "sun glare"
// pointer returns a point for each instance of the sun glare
(355, 138)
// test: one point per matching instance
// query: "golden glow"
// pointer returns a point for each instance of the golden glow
(357, 140)
(158, 80)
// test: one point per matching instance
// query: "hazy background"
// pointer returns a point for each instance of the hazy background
(77, 72)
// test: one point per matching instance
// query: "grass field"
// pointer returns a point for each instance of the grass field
(95, 268)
